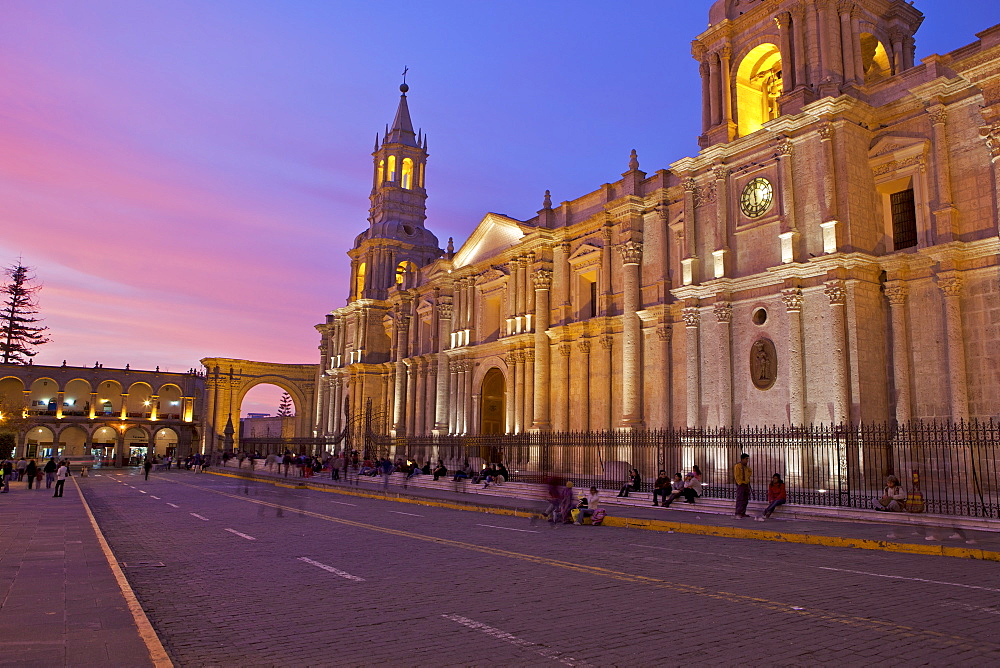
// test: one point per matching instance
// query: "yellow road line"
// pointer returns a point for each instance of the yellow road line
(729, 597)
(679, 527)
(157, 654)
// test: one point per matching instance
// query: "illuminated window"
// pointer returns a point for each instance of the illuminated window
(421, 181)
(874, 59)
(401, 270)
(407, 180)
(758, 87)
(359, 285)
(392, 168)
(381, 172)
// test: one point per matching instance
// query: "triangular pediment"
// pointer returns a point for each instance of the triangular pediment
(896, 145)
(492, 236)
(584, 252)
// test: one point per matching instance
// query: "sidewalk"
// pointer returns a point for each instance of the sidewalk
(915, 534)
(61, 603)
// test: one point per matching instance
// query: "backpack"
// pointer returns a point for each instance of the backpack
(598, 516)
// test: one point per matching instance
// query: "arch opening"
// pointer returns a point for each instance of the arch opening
(874, 59)
(493, 402)
(76, 400)
(359, 281)
(407, 176)
(758, 87)
(73, 442)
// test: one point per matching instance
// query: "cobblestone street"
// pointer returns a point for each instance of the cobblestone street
(254, 574)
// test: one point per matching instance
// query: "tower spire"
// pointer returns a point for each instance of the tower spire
(402, 127)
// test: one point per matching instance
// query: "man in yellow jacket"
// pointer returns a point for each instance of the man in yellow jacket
(742, 473)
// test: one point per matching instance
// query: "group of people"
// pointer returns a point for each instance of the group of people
(29, 471)
(566, 508)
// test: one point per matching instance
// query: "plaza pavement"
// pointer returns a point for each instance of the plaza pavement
(64, 599)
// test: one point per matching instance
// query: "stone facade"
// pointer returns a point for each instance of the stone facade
(829, 256)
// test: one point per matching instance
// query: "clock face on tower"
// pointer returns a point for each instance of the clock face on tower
(756, 198)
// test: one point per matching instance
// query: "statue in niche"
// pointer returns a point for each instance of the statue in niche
(763, 364)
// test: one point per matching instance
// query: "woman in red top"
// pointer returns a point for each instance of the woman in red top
(775, 496)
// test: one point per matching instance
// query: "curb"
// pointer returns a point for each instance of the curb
(675, 527)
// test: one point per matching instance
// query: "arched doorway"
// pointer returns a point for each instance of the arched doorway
(165, 442)
(40, 442)
(493, 412)
(73, 442)
(103, 443)
(136, 445)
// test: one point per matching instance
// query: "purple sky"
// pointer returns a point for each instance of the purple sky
(187, 176)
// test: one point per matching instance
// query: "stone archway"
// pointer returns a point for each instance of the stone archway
(228, 380)
(493, 402)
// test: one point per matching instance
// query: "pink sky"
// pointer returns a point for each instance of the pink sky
(186, 177)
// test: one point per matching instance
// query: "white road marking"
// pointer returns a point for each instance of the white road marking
(901, 577)
(198, 516)
(172, 505)
(143, 492)
(154, 497)
(241, 535)
(341, 503)
(400, 513)
(331, 569)
(678, 549)
(970, 608)
(506, 528)
(514, 640)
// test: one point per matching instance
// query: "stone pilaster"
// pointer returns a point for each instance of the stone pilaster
(724, 317)
(584, 347)
(605, 375)
(792, 299)
(951, 284)
(896, 292)
(519, 392)
(529, 390)
(631, 387)
(565, 350)
(443, 377)
(692, 322)
(945, 214)
(991, 135)
(836, 291)
(542, 390)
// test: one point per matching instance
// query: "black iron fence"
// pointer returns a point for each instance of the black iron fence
(955, 467)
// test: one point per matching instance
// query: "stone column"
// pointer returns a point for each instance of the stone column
(792, 298)
(462, 403)
(798, 45)
(846, 40)
(411, 397)
(543, 281)
(564, 353)
(689, 251)
(519, 384)
(454, 397)
(859, 65)
(605, 373)
(945, 216)
(604, 307)
(721, 221)
(443, 376)
(430, 393)
(664, 332)
(692, 320)
(789, 235)
(584, 347)
(471, 407)
(458, 322)
(631, 387)
(837, 293)
(560, 280)
(991, 135)
(706, 96)
(724, 317)
(784, 22)
(951, 285)
(896, 292)
(828, 203)
(715, 77)
(529, 390)
(725, 53)
(833, 59)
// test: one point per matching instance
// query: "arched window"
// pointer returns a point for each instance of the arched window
(381, 173)
(392, 168)
(420, 181)
(874, 59)
(758, 87)
(407, 180)
(402, 268)
(359, 280)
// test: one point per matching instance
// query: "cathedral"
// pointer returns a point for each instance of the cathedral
(830, 256)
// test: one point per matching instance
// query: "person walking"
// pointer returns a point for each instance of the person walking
(31, 471)
(742, 473)
(22, 463)
(61, 474)
(147, 465)
(5, 471)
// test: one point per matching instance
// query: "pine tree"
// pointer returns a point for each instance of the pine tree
(285, 406)
(19, 335)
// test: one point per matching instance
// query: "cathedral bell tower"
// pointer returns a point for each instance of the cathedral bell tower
(396, 241)
(760, 59)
